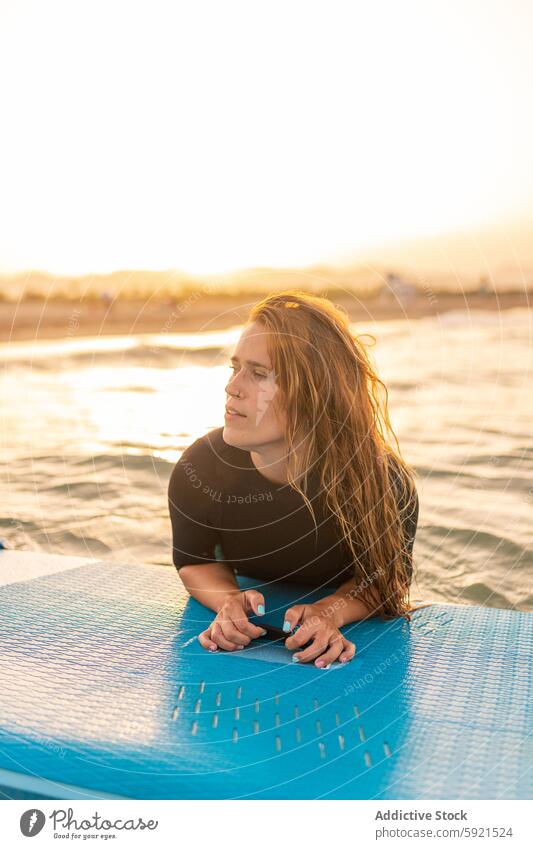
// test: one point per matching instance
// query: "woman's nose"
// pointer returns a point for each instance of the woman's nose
(232, 386)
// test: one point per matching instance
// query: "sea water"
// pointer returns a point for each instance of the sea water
(91, 429)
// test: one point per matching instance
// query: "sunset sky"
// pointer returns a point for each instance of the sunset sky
(210, 136)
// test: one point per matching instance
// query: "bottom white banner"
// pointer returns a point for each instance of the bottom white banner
(230, 823)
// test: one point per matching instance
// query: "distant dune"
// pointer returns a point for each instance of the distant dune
(37, 319)
(500, 259)
(453, 262)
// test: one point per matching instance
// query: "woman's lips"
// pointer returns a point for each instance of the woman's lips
(229, 415)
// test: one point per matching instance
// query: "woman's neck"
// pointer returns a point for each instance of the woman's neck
(271, 465)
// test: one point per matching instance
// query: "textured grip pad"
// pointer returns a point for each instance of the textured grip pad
(104, 687)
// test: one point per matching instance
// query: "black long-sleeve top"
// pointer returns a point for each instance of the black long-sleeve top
(222, 508)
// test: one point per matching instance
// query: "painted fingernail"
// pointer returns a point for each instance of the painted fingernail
(345, 659)
(319, 663)
(263, 632)
(295, 659)
(286, 626)
(212, 647)
(240, 647)
(260, 609)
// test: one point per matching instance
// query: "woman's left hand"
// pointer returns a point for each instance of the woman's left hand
(316, 624)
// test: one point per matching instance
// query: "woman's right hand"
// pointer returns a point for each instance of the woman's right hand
(231, 629)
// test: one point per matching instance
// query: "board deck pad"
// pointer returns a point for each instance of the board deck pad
(105, 691)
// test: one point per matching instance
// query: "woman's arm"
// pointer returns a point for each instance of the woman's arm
(320, 623)
(214, 585)
(209, 583)
(344, 606)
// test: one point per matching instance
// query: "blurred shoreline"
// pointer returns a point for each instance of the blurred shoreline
(48, 319)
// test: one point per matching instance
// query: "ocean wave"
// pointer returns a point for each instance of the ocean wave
(122, 462)
(149, 357)
(463, 540)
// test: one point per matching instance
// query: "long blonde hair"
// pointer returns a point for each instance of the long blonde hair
(338, 424)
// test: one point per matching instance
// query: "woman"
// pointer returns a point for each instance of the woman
(301, 484)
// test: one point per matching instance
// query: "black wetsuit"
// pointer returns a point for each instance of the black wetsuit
(223, 508)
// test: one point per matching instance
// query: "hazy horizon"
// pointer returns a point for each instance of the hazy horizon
(450, 262)
(191, 138)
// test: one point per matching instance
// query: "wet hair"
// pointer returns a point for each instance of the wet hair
(338, 429)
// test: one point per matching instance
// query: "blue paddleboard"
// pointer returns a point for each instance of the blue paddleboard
(106, 692)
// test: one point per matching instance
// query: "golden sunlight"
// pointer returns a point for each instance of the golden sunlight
(186, 136)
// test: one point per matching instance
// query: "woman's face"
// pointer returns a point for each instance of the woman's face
(252, 390)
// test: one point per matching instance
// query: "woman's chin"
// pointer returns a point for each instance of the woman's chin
(232, 435)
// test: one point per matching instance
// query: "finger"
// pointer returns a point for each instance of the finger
(293, 616)
(218, 637)
(254, 602)
(303, 634)
(205, 640)
(319, 645)
(331, 654)
(348, 651)
(246, 627)
(232, 633)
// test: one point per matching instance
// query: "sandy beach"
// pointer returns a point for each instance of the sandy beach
(41, 319)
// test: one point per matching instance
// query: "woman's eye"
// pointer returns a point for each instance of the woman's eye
(257, 374)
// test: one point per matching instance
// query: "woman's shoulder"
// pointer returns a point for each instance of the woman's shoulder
(204, 452)
(205, 446)
(403, 483)
(206, 457)
(195, 472)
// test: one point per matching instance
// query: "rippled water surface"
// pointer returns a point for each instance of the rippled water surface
(92, 427)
